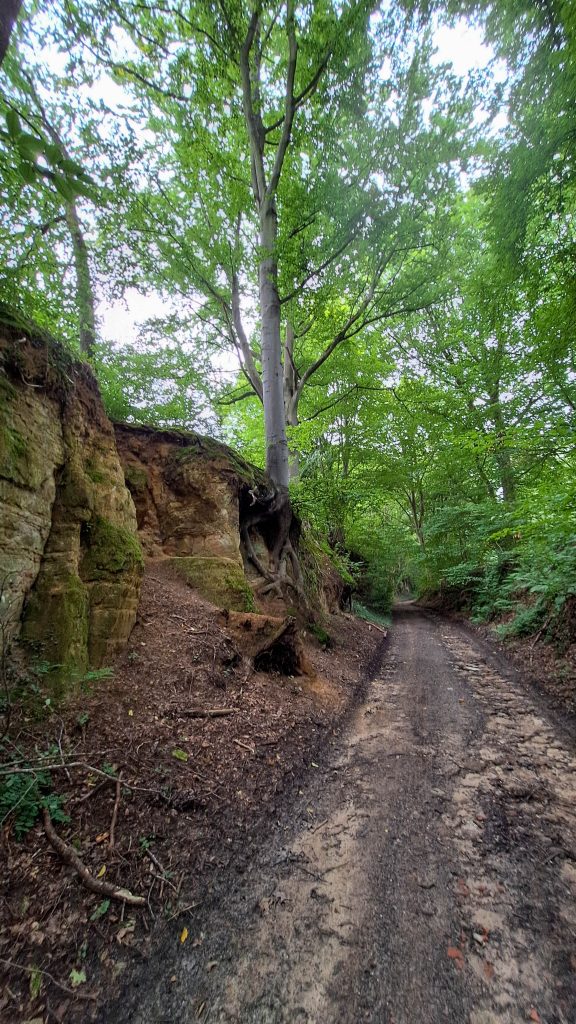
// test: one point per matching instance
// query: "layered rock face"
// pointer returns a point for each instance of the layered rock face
(70, 559)
(188, 491)
(82, 502)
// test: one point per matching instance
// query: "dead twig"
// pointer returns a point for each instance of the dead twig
(69, 856)
(335, 867)
(312, 874)
(61, 752)
(208, 712)
(163, 881)
(88, 997)
(184, 910)
(78, 764)
(95, 789)
(40, 767)
(152, 857)
(115, 811)
(316, 827)
(246, 746)
(372, 625)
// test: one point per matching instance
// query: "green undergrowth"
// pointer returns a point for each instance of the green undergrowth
(321, 565)
(512, 563)
(370, 615)
(321, 635)
(26, 788)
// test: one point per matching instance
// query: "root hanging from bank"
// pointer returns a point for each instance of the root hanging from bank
(270, 512)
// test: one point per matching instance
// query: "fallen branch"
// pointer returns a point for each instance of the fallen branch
(69, 856)
(115, 811)
(94, 790)
(208, 712)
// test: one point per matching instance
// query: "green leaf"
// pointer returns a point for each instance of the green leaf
(77, 978)
(13, 123)
(101, 909)
(29, 146)
(27, 172)
(53, 153)
(71, 167)
(35, 983)
(65, 188)
(180, 755)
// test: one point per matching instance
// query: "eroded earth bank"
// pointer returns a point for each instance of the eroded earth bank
(428, 875)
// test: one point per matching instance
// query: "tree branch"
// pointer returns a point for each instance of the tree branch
(249, 366)
(253, 119)
(233, 399)
(321, 267)
(290, 107)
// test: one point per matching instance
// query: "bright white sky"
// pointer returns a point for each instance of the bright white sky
(460, 46)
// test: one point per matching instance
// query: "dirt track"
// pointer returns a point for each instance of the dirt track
(432, 876)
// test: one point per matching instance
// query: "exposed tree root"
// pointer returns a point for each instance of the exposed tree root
(272, 514)
(69, 856)
(270, 642)
(252, 556)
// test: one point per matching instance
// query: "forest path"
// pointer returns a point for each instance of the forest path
(439, 882)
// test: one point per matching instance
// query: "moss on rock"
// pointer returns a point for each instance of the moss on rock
(136, 479)
(198, 446)
(55, 627)
(111, 549)
(220, 580)
(13, 455)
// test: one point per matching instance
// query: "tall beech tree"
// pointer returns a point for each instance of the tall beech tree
(302, 188)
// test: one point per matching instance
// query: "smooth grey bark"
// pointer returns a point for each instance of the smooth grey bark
(416, 506)
(84, 290)
(264, 188)
(272, 370)
(291, 397)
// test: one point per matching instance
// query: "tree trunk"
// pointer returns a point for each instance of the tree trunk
(9, 10)
(502, 453)
(416, 506)
(84, 290)
(272, 373)
(291, 398)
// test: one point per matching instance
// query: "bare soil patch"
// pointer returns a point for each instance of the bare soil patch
(206, 750)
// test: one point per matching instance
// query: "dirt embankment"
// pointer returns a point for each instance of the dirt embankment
(163, 797)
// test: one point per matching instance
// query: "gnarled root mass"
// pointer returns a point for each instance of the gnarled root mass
(270, 512)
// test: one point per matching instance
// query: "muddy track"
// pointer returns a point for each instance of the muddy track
(427, 873)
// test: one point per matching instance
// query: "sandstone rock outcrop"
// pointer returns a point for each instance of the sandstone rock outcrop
(70, 559)
(190, 493)
(82, 501)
